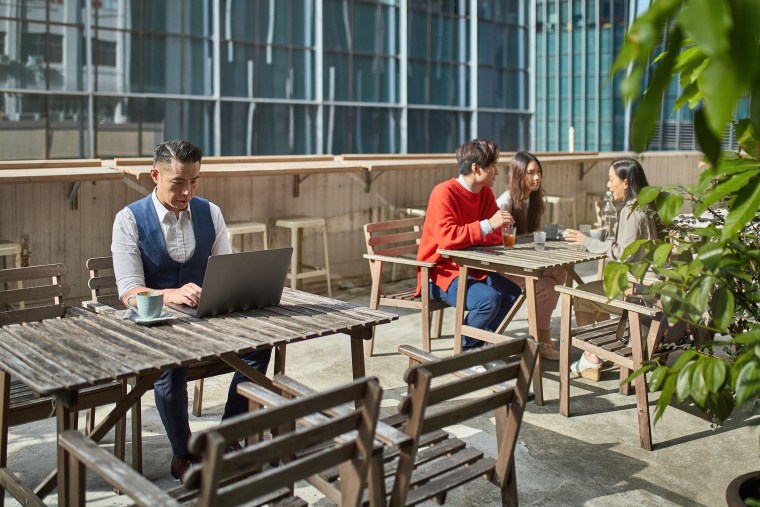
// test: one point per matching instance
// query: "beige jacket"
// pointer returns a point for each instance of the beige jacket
(632, 225)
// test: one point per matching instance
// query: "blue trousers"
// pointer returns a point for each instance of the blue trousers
(487, 302)
(170, 391)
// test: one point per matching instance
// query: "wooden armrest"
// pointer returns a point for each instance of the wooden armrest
(385, 433)
(114, 471)
(623, 305)
(399, 260)
(420, 356)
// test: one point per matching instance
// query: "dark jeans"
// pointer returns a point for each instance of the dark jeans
(487, 302)
(170, 391)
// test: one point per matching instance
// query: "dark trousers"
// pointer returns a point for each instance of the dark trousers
(487, 302)
(170, 391)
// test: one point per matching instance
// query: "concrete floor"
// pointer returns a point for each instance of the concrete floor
(590, 459)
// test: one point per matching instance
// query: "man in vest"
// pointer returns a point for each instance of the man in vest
(163, 241)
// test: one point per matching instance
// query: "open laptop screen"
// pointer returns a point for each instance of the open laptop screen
(241, 281)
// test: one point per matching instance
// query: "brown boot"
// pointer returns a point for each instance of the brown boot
(547, 349)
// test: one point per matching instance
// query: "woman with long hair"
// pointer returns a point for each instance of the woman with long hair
(626, 179)
(525, 202)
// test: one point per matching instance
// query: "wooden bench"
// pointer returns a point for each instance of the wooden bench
(421, 460)
(236, 478)
(42, 298)
(620, 340)
(395, 242)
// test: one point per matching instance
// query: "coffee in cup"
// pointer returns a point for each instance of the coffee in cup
(149, 303)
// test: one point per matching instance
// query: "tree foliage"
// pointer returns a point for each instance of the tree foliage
(708, 276)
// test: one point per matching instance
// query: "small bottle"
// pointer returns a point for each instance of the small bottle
(609, 216)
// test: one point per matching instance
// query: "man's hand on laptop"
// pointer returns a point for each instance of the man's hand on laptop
(189, 294)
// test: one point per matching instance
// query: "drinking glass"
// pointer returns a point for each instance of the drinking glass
(508, 232)
(539, 240)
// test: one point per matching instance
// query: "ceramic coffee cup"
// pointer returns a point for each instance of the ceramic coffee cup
(599, 234)
(150, 303)
(552, 231)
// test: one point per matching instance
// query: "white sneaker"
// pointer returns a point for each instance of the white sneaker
(478, 369)
(586, 369)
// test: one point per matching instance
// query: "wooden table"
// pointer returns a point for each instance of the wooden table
(523, 260)
(60, 356)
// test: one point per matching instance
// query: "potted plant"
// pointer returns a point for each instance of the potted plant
(709, 275)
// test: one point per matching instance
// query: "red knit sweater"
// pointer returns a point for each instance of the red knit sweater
(453, 222)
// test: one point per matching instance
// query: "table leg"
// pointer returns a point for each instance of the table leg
(459, 318)
(280, 352)
(5, 396)
(530, 294)
(64, 422)
(358, 337)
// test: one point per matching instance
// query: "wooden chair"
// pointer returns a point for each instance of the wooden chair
(42, 298)
(424, 462)
(102, 284)
(623, 340)
(395, 242)
(224, 479)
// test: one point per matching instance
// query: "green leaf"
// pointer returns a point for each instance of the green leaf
(698, 387)
(722, 405)
(732, 183)
(647, 195)
(743, 208)
(748, 382)
(690, 95)
(668, 206)
(655, 380)
(746, 137)
(633, 248)
(714, 373)
(687, 356)
(748, 338)
(648, 110)
(710, 255)
(661, 254)
(722, 307)
(668, 389)
(709, 143)
(707, 22)
(720, 88)
(683, 384)
(615, 279)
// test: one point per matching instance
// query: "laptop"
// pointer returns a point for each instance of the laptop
(241, 281)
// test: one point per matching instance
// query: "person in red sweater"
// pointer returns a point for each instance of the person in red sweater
(461, 213)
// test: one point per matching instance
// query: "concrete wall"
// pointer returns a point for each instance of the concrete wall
(58, 233)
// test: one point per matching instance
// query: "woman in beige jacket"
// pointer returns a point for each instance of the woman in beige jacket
(626, 179)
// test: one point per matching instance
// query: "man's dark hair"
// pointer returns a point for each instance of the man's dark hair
(181, 150)
(482, 152)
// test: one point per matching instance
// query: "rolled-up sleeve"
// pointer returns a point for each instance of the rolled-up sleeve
(127, 262)
(221, 241)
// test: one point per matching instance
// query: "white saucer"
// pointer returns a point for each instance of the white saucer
(150, 322)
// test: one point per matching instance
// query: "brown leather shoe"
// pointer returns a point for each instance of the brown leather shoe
(548, 351)
(179, 466)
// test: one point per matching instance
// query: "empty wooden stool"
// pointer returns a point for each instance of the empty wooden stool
(297, 226)
(555, 202)
(243, 228)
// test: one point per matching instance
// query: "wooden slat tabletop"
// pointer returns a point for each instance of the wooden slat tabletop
(525, 256)
(86, 348)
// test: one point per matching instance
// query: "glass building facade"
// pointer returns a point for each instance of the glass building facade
(106, 78)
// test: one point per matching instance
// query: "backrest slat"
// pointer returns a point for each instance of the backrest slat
(39, 294)
(394, 237)
(102, 281)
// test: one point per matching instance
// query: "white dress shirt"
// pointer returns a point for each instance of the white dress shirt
(178, 235)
